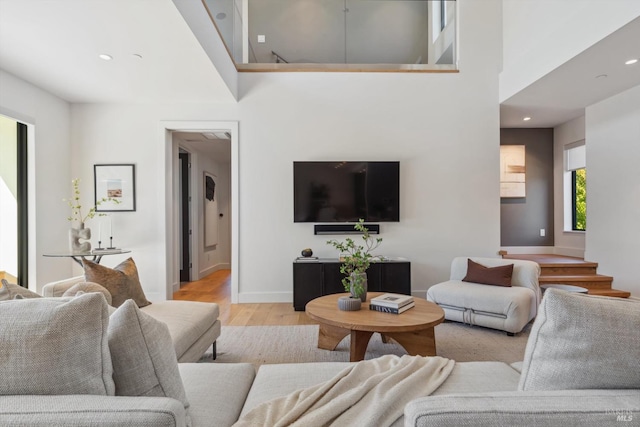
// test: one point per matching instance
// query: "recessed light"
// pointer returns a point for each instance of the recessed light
(631, 61)
(221, 15)
(105, 57)
(136, 55)
(601, 76)
(526, 119)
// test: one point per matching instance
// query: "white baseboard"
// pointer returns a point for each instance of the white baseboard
(254, 297)
(214, 268)
(176, 287)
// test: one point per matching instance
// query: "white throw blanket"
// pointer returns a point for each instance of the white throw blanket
(369, 393)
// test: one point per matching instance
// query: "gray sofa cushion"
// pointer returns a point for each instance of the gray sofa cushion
(583, 342)
(87, 287)
(479, 377)
(11, 291)
(144, 363)
(216, 391)
(55, 346)
(273, 381)
(591, 408)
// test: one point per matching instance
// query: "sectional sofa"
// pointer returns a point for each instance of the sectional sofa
(580, 368)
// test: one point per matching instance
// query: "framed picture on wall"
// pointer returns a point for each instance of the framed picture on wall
(116, 182)
(512, 171)
(210, 210)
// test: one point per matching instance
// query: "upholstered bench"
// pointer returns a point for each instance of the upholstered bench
(508, 308)
(193, 326)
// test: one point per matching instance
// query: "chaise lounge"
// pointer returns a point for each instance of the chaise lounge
(193, 325)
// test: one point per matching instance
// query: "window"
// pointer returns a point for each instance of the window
(443, 14)
(579, 199)
(575, 187)
(13, 199)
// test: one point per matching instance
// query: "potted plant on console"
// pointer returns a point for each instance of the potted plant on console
(356, 259)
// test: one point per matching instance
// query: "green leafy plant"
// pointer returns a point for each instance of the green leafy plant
(76, 207)
(356, 259)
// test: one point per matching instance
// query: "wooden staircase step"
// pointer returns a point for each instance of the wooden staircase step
(593, 281)
(558, 264)
(610, 293)
(568, 270)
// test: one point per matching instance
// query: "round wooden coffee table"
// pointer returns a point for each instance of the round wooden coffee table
(412, 329)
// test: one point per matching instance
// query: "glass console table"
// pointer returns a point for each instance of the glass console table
(91, 255)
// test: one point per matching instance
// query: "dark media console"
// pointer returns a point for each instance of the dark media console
(313, 279)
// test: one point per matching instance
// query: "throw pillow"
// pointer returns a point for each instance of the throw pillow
(497, 276)
(11, 291)
(87, 287)
(582, 342)
(122, 282)
(144, 360)
(55, 346)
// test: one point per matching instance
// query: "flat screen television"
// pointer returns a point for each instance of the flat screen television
(346, 191)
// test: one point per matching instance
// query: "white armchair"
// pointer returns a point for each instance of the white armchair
(505, 308)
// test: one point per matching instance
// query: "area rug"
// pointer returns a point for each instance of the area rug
(298, 344)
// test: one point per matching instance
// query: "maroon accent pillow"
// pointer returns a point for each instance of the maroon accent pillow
(497, 276)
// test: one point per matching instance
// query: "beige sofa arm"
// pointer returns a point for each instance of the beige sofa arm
(550, 408)
(56, 289)
(89, 410)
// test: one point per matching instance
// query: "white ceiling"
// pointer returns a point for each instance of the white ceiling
(564, 93)
(195, 142)
(54, 44)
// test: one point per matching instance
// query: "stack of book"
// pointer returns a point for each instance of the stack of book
(392, 303)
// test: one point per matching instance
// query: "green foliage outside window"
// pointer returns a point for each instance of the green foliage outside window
(580, 201)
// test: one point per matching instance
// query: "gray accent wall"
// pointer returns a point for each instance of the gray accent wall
(522, 218)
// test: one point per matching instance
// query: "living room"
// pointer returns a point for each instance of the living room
(400, 122)
(444, 129)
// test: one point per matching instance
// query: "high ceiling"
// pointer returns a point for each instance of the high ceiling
(55, 44)
(564, 93)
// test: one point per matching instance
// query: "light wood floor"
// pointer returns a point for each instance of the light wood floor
(216, 287)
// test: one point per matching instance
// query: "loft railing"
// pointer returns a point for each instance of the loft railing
(418, 35)
(279, 58)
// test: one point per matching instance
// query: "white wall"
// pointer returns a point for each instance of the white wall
(540, 35)
(211, 259)
(613, 188)
(116, 133)
(443, 128)
(569, 243)
(449, 153)
(49, 174)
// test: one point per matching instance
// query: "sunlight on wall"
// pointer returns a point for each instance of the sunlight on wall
(8, 202)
